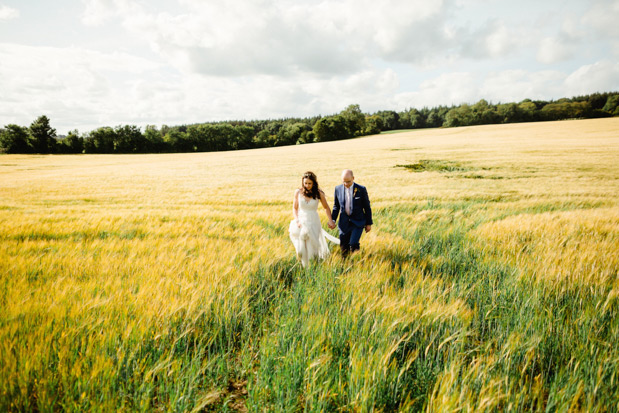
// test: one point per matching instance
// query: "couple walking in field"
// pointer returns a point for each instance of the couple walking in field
(352, 205)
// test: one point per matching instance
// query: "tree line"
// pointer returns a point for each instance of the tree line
(40, 137)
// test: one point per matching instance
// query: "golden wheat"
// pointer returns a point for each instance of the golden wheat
(105, 252)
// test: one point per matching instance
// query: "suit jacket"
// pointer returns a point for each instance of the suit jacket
(361, 212)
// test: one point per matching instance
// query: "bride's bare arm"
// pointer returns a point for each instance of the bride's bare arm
(325, 205)
(295, 207)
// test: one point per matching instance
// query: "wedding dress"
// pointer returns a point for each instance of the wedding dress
(310, 240)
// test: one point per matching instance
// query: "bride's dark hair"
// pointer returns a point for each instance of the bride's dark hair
(315, 192)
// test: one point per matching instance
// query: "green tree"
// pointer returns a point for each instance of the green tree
(373, 125)
(509, 113)
(178, 141)
(390, 119)
(225, 137)
(331, 128)
(154, 140)
(43, 135)
(100, 140)
(563, 109)
(15, 139)
(244, 136)
(434, 119)
(73, 143)
(416, 119)
(612, 105)
(290, 133)
(597, 100)
(484, 114)
(355, 119)
(528, 110)
(462, 115)
(129, 139)
(264, 140)
(307, 136)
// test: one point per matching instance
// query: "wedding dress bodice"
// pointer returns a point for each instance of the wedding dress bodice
(307, 206)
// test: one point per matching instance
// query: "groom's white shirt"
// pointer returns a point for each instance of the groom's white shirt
(349, 195)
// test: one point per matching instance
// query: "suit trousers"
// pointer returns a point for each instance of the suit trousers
(349, 240)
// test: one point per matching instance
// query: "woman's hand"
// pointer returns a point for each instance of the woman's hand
(298, 224)
(331, 224)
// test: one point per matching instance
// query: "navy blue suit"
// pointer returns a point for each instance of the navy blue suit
(351, 226)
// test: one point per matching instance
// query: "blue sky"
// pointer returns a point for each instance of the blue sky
(94, 63)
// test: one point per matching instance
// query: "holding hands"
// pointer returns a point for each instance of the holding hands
(331, 224)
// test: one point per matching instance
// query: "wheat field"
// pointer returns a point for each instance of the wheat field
(167, 282)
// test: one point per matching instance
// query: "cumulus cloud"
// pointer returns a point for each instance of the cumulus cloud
(554, 49)
(493, 39)
(598, 77)
(446, 89)
(244, 38)
(8, 13)
(512, 86)
(86, 89)
(97, 12)
(602, 17)
(79, 87)
(285, 37)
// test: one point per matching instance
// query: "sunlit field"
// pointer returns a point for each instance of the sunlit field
(168, 282)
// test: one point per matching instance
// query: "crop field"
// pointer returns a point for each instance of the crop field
(168, 282)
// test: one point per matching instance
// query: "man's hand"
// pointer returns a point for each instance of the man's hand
(368, 228)
(331, 224)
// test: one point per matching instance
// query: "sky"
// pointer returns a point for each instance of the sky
(92, 63)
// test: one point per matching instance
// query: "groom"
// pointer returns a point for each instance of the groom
(353, 206)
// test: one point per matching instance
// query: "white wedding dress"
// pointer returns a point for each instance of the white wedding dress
(310, 240)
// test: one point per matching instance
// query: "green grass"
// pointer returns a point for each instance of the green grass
(300, 339)
(433, 165)
(391, 132)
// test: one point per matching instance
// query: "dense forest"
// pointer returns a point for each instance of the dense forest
(40, 137)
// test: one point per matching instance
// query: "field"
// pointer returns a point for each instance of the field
(168, 282)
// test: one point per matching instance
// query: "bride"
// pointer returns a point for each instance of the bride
(306, 232)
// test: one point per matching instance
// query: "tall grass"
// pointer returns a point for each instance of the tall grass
(167, 282)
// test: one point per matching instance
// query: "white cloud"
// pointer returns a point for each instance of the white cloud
(511, 86)
(85, 89)
(8, 13)
(285, 37)
(553, 50)
(601, 76)
(492, 39)
(96, 12)
(244, 38)
(76, 87)
(446, 89)
(516, 85)
(603, 16)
